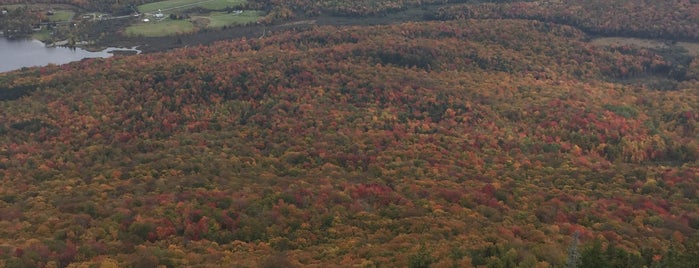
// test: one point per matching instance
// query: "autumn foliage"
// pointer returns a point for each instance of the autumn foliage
(671, 19)
(464, 143)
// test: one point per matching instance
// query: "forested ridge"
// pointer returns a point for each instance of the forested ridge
(470, 142)
(673, 19)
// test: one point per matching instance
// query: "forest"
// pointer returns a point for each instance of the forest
(491, 136)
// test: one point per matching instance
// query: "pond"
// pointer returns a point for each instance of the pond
(15, 54)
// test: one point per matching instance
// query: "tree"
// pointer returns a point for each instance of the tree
(593, 256)
(421, 259)
(573, 260)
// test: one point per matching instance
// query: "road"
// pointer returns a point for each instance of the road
(186, 5)
(161, 10)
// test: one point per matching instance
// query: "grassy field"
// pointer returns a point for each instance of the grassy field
(215, 20)
(43, 35)
(692, 48)
(160, 28)
(61, 15)
(11, 7)
(221, 4)
(170, 5)
(58, 15)
(220, 19)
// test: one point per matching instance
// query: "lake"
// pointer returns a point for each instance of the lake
(15, 54)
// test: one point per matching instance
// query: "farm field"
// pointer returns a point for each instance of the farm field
(10, 7)
(186, 4)
(43, 35)
(221, 19)
(160, 28)
(221, 4)
(166, 27)
(61, 15)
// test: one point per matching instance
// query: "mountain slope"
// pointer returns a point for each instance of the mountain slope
(461, 143)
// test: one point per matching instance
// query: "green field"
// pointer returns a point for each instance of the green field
(160, 28)
(58, 15)
(172, 27)
(170, 5)
(44, 35)
(61, 15)
(221, 4)
(220, 19)
(11, 7)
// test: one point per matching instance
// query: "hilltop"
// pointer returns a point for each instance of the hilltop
(467, 142)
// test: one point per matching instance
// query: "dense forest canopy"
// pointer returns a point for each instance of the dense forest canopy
(672, 19)
(479, 140)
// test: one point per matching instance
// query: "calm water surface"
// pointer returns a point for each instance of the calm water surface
(15, 54)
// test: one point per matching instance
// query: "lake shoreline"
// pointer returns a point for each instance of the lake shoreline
(16, 54)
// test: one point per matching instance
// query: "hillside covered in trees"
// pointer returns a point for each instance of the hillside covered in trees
(474, 141)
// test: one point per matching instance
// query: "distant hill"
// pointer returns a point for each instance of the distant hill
(460, 143)
(671, 19)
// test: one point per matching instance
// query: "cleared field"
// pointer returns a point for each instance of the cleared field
(221, 19)
(160, 28)
(221, 4)
(170, 5)
(11, 7)
(692, 48)
(172, 27)
(43, 35)
(58, 14)
(61, 15)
